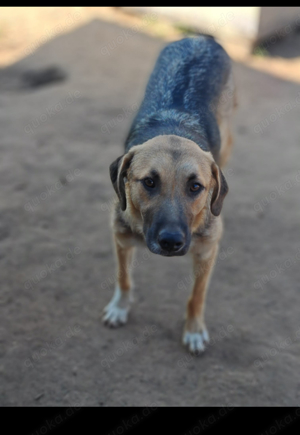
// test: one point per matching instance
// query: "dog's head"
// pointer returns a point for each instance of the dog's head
(170, 186)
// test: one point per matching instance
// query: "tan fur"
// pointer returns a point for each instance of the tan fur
(157, 154)
(124, 255)
(203, 266)
(225, 109)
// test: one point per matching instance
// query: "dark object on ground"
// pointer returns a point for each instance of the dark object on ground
(43, 77)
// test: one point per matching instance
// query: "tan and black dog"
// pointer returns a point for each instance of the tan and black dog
(169, 183)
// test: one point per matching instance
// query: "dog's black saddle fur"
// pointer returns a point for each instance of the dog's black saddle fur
(182, 94)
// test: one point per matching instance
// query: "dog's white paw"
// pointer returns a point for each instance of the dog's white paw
(196, 341)
(116, 312)
(115, 316)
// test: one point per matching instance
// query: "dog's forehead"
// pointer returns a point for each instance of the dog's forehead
(170, 154)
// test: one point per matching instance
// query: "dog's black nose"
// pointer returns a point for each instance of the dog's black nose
(171, 242)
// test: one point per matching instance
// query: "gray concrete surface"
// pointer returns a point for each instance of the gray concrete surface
(56, 257)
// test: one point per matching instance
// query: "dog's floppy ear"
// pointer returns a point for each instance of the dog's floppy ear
(118, 170)
(220, 190)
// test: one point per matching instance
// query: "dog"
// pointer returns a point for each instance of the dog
(169, 185)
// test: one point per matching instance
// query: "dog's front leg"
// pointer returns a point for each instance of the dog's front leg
(195, 334)
(116, 312)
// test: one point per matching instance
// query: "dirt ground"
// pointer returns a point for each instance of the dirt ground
(65, 110)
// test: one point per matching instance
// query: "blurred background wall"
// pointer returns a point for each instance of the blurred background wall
(245, 25)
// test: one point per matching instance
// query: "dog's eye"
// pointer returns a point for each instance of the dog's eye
(149, 182)
(196, 187)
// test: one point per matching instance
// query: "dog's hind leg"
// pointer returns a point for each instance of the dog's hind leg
(116, 312)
